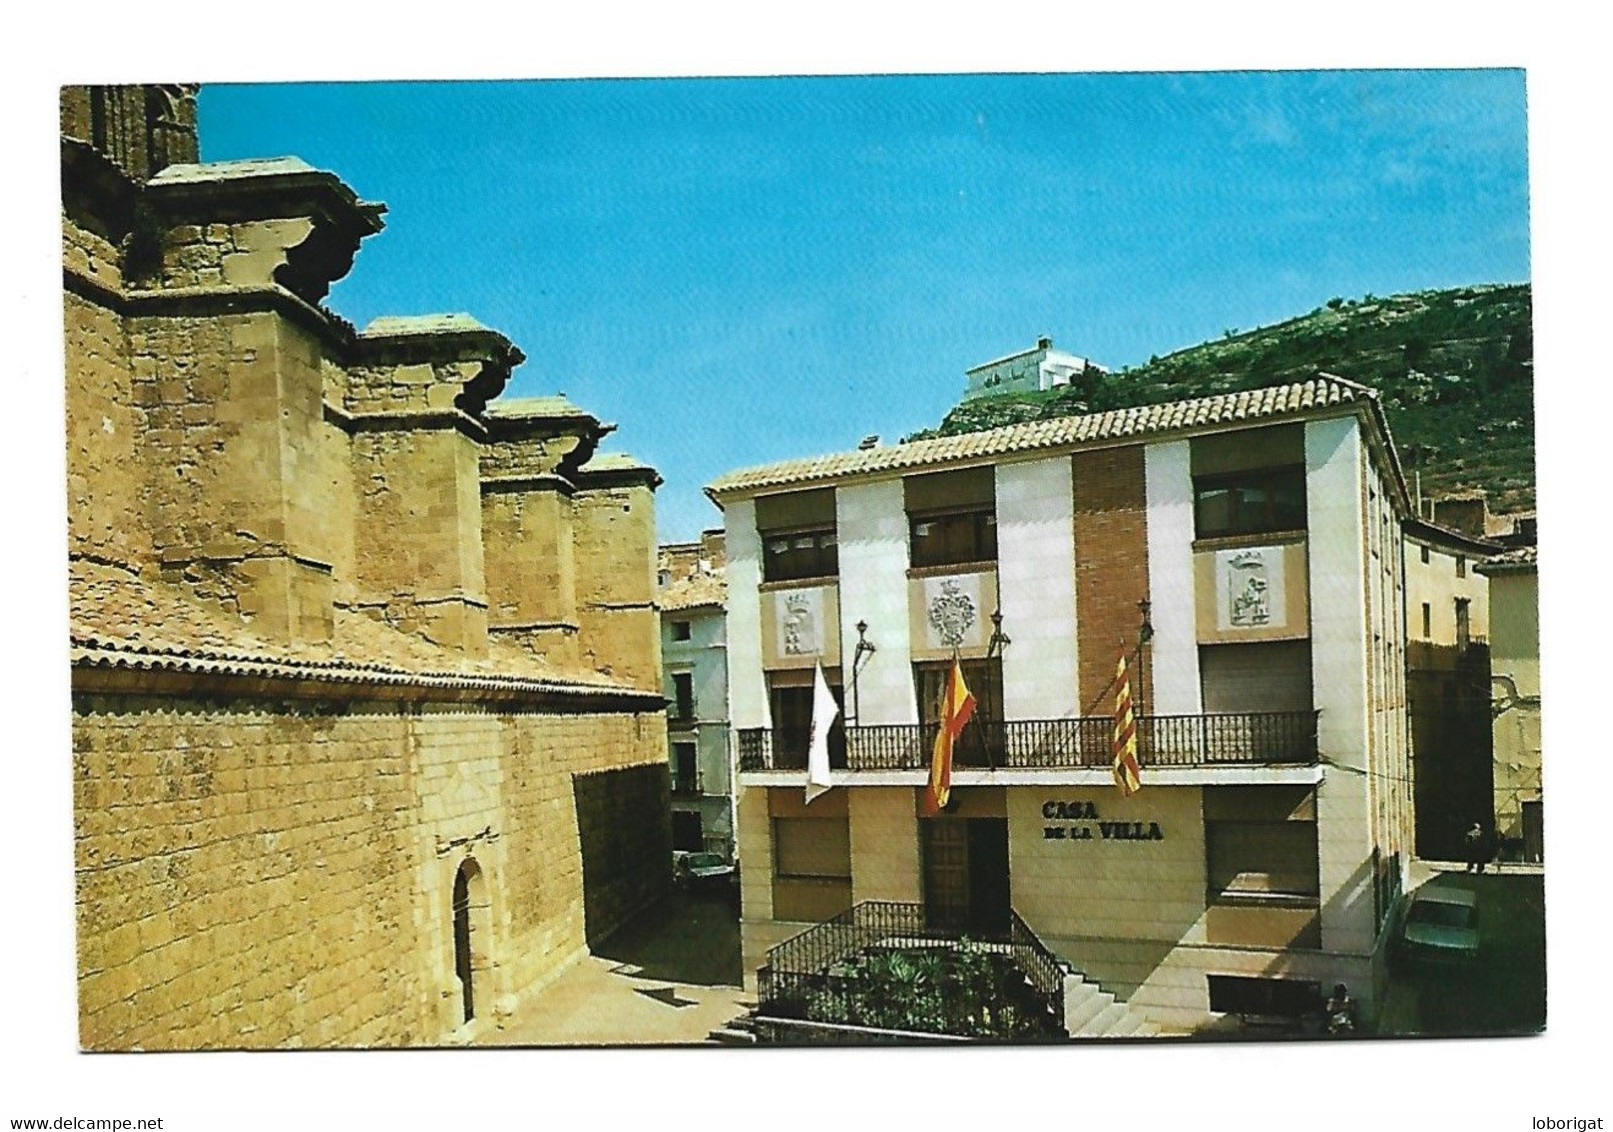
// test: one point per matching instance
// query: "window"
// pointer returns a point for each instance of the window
(1428, 621)
(952, 517)
(1424, 551)
(1245, 994)
(1251, 502)
(680, 631)
(685, 769)
(1461, 565)
(1463, 631)
(1260, 844)
(947, 539)
(812, 848)
(985, 681)
(798, 535)
(683, 695)
(1256, 676)
(1261, 859)
(790, 698)
(789, 555)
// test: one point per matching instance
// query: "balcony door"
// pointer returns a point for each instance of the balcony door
(790, 694)
(981, 742)
(966, 882)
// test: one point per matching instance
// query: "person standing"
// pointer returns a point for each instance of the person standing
(1339, 1012)
(1475, 842)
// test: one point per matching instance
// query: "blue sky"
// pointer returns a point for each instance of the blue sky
(743, 270)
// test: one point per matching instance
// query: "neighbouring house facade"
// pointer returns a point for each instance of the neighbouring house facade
(1243, 550)
(368, 735)
(1448, 678)
(694, 650)
(1515, 705)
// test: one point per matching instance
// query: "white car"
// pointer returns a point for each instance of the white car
(1441, 924)
(703, 868)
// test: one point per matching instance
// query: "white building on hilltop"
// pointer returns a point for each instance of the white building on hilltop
(1026, 371)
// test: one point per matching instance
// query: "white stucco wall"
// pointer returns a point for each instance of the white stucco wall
(747, 688)
(871, 522)
(1174, 653)
(1339, 659)
(1036, 586)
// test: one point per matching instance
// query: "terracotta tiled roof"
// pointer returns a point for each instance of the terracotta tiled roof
(1522, 559)
(701, 590)
(122, 620)
(1057, 432)
(96, 652)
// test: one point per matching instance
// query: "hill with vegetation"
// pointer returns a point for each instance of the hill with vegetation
(1455, 369)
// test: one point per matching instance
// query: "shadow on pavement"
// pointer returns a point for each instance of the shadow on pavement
(690, 937)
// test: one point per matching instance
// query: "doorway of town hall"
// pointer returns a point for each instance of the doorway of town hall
(964, 849)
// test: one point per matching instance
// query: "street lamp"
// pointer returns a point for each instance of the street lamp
(865, 648)
(994, 648)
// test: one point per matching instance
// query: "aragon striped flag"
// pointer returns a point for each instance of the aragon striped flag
(957, 705)
(1128, 774)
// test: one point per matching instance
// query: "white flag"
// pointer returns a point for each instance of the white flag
(824, 710)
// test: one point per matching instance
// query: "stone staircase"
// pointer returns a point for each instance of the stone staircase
(1089, 1012)
(1092, 1012)
(740, 1031)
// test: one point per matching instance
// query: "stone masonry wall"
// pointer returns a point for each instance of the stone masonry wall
(615, 577)
(279, 873)
(243, 877)
(530, 573)
(104, 485)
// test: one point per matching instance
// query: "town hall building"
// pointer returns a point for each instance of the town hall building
(1244, 551)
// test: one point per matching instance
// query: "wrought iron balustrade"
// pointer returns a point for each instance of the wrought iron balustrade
(1226, 739)
(813, 967)
(785, 748)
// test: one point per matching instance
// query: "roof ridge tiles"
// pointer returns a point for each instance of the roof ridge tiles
(1319, 391)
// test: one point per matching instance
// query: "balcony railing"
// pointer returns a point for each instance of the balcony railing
(1234, 739)
(686, 785)
(785, 748)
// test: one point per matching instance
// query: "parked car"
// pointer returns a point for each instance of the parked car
(1441, 925)
(699, 870)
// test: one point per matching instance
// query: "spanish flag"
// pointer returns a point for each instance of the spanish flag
(957, 705)
(1128, 774)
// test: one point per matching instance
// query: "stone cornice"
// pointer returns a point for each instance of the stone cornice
(246, 192)
(206, 302)
(450, 339)
(410, 421)
(604, 479)
(543, 481)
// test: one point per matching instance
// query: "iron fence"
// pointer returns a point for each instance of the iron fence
(821, 973)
